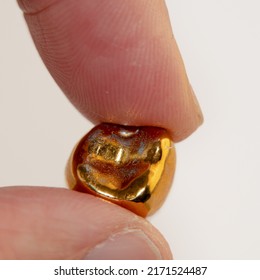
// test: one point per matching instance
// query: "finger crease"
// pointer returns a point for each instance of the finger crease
(36, 12)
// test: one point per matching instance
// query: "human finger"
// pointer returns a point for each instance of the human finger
(55, 223)
(117, 61)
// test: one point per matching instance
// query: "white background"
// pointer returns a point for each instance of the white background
(213, 209)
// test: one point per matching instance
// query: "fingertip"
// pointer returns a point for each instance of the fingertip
(64, 224)
(116, 61)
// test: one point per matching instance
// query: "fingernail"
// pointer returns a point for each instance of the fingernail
(130, 245)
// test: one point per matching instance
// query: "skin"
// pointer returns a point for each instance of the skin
(116, 61)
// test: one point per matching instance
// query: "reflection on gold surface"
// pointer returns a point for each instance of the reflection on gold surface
(129, 166)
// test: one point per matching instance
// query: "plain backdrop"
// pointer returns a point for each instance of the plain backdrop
(213, 209)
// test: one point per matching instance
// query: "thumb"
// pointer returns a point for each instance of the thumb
(54, 223)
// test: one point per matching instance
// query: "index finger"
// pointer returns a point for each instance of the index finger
(116, 61)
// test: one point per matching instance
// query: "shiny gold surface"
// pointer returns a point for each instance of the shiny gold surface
(130, 166)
